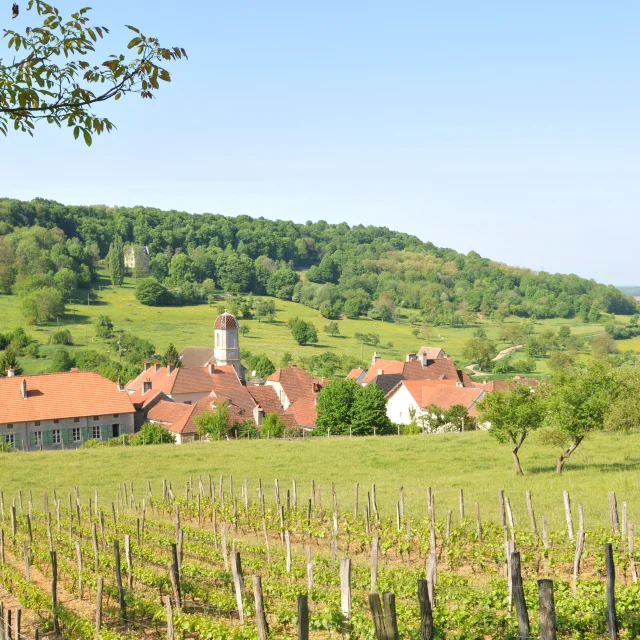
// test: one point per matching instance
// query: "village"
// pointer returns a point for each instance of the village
(66, 410)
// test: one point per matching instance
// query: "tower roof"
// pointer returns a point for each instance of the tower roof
(226, 321)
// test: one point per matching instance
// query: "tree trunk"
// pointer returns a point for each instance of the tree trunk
(564, 456)
(516, 460)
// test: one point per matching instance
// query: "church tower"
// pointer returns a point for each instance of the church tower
(226, 348)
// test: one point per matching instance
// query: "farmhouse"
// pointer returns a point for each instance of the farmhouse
(410, 398)
(59, 410)
(416, 366)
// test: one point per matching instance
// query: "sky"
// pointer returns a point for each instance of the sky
(507, 128)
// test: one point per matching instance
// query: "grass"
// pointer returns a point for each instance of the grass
(194, 326)
(473, 461)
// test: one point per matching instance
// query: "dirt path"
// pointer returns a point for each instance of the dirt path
(473, 368)
(504, 352)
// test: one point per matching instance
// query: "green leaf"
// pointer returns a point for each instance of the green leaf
(87, 138)
(134, 42)
(76, 132)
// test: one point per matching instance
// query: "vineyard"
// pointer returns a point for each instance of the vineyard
(215, 561)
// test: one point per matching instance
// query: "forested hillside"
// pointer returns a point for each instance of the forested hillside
(338, 269)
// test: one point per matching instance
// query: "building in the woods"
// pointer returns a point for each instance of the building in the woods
(137, 259)
(60, 410)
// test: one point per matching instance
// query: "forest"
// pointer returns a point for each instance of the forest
(47, 247)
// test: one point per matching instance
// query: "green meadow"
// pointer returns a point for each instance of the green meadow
(472, 461)
(185, 326)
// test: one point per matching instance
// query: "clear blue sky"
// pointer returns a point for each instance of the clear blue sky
(509, 128)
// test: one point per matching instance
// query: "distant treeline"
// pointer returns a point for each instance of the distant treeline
(352, 271)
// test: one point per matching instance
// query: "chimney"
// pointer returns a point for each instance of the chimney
(119, 384)
(170, 367)
(212, 367)
(23, 388)
(426, 362)
(411, 357)
(380, 372)
(11, 372)
(258, 415)
(423, 357)
(315, 388)
(146, 386)
(157, 366)
(147, 365)
(375, 358)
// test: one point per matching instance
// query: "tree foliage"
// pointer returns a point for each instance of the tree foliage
(55, 77)
(365, 270)
(152, 433)
(579, 401)
(115, 262)
(513, 414)
(214, 424)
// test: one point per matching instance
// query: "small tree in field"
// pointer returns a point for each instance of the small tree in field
(513, 415)
(579, 402)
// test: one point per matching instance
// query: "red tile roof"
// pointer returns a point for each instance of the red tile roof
(266, 397)
(225, 321)
(439, 369)
(445, 396)
(354, 374)
(433, 353)
(56, 396)
(173, 415)
(185, 380)
(415, 387)
(304, 411)
(296, 382)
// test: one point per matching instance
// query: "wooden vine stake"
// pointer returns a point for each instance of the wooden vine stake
(99, 605)
(518, 596)
(547, 610)
(303, 618)
(426, 612)
(261, 618)
(612, 620)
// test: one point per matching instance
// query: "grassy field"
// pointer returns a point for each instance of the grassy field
(448, 462)
(194, 326)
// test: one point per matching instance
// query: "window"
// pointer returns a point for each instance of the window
(55, 436)
(10, 438)
(96, 418)
(10, 426)
(76, 434)
(116, 415)
(76, 419)
(95, 433)
(54, 422)
(37, 437)
(37, 423)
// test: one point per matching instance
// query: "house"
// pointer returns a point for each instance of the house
(60, 410)
(181, 384)
(432, 353)
(292, 383)
(416, 367)
(357, 374)
(137, 259)
(414, 396)
(175, 417)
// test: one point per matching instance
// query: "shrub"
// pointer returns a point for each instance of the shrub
(152, 434)
(62, 337)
